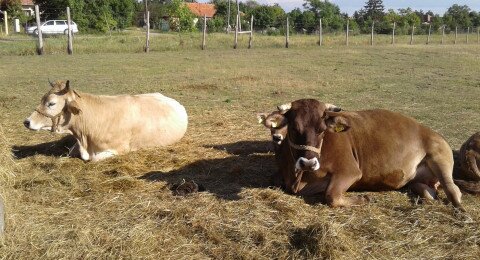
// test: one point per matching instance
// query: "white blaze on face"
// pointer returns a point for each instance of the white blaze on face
(307, 164)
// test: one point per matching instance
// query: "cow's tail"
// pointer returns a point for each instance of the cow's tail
(472, 187)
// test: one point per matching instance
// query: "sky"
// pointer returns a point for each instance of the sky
(350, 6)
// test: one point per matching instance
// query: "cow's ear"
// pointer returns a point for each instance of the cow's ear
(261, 117)
(336, 122)
(73, 107)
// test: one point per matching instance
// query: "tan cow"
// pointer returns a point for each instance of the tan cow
(105, 126)
(373, 150)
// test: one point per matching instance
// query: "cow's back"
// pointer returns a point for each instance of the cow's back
(163, 121)
(131, 122)
(387, 146)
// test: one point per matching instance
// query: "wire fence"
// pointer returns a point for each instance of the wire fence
(135, 39)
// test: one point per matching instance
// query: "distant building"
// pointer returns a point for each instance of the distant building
(28, 6)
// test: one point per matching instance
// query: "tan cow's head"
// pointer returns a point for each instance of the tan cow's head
(277, 124)
(307, 120)
(53, 107)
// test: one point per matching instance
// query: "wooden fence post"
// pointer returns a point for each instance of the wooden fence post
(478, 35)
(320, 32)
(443, 34)
(287, 34)
(251, 33)
(371, 36)
(429, 33)
(5, 19)
(147, 40)
(411, 36)
(238, 13)
(393, 32)
(204, 31)
(456, 34)
(69, 28)
(228, 18)
(39, 30)
(346, 33)
(235, 41)
(468, 32)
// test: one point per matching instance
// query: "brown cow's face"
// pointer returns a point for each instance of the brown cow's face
(308, 119)
(52, 104)
(277, 124)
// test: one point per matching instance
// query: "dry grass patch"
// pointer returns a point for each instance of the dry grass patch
(123, 207)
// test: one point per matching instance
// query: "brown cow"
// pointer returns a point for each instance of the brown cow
(370, 150)
(278, 131)
(469, 161)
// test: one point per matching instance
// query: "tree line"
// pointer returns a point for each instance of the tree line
(107, 15)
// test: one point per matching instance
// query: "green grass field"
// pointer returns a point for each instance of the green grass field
(133, 41)
(64, 208)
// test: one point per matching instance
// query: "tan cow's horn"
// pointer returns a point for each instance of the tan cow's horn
(51, 83)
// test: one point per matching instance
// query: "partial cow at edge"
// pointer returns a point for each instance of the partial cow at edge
(105, 126)
(373, 150)
(469, 161)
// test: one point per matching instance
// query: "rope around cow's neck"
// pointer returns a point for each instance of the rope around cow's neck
(299, 173)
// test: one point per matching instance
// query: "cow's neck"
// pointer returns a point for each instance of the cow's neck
(83, 124)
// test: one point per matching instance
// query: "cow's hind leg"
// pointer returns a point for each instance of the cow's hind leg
(423, 190)
(424, 184)
(441, 165)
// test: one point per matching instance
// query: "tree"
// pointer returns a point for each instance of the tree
(330, 13)
(89, 14)
(374, 9)
(14, 9)
(181, 18)
(458, 15)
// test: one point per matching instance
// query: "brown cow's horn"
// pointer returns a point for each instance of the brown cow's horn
(284, 108)
(332, 107)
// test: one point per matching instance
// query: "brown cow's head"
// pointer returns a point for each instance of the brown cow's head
(307, 120)
(277, 124)
(52, 108)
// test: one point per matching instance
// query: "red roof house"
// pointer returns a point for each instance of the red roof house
(201, 10)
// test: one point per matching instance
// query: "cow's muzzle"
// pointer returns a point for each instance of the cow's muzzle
(304, 164)
(277, 138)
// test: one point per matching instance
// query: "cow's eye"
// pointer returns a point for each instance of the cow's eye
(50, 104)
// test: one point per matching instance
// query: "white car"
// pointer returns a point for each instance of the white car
(54, 27)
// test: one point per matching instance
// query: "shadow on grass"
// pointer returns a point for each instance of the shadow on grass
(55, 148)
(226, 177)
(244, 148)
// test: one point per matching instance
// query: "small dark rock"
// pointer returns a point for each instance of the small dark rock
(186, 187)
